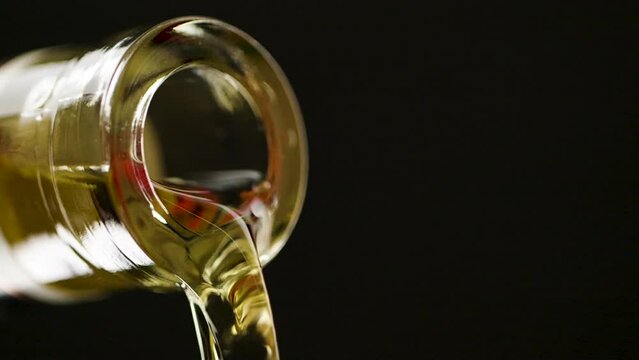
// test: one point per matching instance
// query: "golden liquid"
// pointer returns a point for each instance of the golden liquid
(209, 248)
(174, 160)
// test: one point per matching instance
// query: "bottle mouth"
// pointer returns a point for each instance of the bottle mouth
(203, 133)
(198, 105)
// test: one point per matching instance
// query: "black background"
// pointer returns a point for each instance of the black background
(474, 184)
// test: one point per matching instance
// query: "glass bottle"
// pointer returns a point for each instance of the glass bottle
(171, 158)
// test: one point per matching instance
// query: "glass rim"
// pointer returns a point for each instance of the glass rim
(132, 86)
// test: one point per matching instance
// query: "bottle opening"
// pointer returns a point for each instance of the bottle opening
(204, 127)
(202, 133)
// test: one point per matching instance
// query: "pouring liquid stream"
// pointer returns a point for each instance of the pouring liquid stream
(230, 304)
